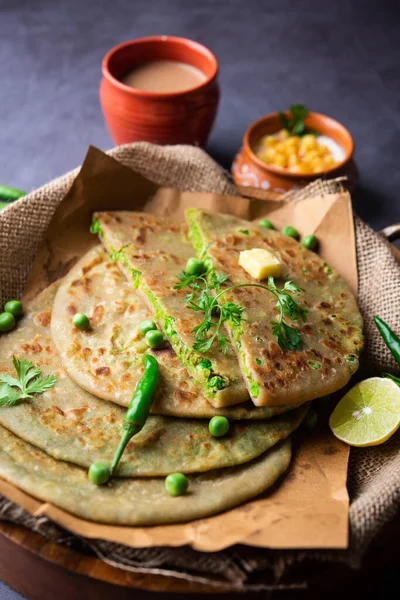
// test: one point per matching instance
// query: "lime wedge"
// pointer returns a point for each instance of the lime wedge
(368, 414)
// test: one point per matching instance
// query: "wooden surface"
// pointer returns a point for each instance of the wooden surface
(42, 570)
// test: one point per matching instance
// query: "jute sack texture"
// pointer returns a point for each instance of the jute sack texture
(374, 473)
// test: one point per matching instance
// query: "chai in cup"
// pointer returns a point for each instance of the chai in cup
(159, 89)
(164, 76)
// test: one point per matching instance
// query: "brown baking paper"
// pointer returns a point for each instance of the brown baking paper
(308, 508)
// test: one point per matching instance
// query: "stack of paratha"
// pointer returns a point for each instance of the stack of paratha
(47, 443)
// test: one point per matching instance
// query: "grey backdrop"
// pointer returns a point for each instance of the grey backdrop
(340, 57)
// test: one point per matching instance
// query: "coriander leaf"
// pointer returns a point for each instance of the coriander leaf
(298, 111)
(231, 312)
(9, 380)
(22, 367)
(292, 287)
(215, 281)
(288, 338)
(284, 120)
(184, 279)
(29, 382)
(42, 384)
(203, 345)
(222, 342)
(8, 396)
(298, 128)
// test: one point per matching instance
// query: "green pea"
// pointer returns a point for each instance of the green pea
(266, 223)
(7, 322)
(218, 426)
(310, 242)
(195, 266)
(147, 325)
(291, 232)
(81, 321)
(99, 473)
(14, 307)
(176, 484)
(154, 338)
(310, 419)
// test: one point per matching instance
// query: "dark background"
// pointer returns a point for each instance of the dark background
(338, 57)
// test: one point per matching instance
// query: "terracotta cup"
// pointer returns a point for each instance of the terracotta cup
(134, 115)
(249, 170)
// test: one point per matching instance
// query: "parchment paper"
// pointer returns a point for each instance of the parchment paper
(308, 508)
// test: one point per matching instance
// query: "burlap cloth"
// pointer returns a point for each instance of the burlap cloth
(374, 473)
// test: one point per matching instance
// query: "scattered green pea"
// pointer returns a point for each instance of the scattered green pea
(154, 338)
(291, 232)
(266, 223)
(311, 419)
(14, 307)
(176, 484)
(310, 242)
(218, 426)
(81, 321)
(195, 266)
(147, 325)
(99, 473)
(7, 322)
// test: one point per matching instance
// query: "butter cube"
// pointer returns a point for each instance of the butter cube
(260, 263)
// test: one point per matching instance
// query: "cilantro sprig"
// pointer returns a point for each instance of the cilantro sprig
(295, 122)
(29, 382)
(206, 290)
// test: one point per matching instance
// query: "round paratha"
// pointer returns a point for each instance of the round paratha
(72, 425)
(136, 501)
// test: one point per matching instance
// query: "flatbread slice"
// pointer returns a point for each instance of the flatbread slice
(332, 334)
(107, 360)
(152, 252)
(135, 501)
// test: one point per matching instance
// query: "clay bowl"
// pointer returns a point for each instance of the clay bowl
(133, 115)
(248, 170)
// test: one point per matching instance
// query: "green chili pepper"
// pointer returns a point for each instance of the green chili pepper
(392, 377)
(139, 406)
(8, 193)
(389, 337)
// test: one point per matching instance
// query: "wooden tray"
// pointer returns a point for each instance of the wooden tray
(42, 570)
